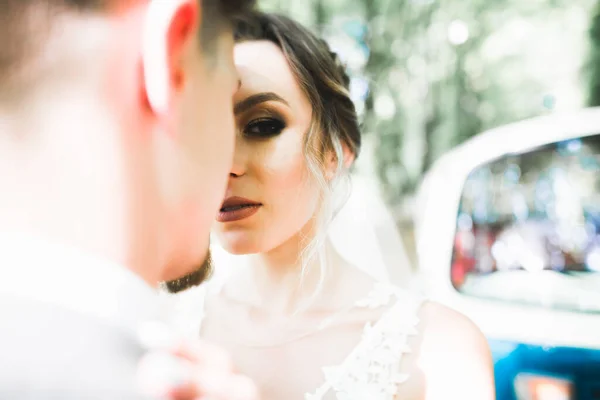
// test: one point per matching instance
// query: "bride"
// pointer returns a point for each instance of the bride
(305, 317)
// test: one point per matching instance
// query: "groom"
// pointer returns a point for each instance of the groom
(116, 139)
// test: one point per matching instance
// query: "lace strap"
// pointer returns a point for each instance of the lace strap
(372, 369)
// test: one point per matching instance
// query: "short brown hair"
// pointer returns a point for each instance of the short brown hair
(26, 25)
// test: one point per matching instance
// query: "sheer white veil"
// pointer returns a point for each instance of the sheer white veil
(364, 233)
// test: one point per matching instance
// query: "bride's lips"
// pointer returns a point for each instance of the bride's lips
(237, 208)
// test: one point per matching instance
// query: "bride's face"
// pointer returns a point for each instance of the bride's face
(270, 197)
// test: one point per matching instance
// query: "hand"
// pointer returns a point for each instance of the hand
(213, 376)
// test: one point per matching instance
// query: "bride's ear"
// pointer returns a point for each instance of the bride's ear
(349, 156)
(332, 161)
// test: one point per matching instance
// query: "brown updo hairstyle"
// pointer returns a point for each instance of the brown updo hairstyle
(334, 125)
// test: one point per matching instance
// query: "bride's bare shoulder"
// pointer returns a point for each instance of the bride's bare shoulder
(440, 321)
(454, 354)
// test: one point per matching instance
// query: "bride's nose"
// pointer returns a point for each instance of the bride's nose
(240, 160)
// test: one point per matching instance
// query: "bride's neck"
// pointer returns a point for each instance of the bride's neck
(280, 283)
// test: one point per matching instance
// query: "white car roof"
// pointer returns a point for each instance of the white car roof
(522, 136)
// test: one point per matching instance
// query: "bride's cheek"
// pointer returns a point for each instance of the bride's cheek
(291, 190)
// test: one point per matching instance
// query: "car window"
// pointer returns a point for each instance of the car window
(528, 228)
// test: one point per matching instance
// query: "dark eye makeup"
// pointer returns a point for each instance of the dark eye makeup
(263, 128)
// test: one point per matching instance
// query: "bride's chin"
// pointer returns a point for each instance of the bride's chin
(239, 250)
(238, 244)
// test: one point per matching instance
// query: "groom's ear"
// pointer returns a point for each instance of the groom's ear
(168, 28)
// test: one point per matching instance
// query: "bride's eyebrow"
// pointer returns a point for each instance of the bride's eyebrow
(256, 99)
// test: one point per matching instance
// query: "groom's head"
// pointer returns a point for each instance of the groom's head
(150, 83)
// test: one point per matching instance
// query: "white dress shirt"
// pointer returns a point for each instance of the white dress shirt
(67, 277)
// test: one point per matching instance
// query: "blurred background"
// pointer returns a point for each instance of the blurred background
(428, 75)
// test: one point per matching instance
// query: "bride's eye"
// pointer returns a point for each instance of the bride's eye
(264, 128)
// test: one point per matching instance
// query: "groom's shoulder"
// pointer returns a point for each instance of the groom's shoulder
(51, 352)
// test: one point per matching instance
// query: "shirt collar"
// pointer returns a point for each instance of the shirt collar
(55, 273)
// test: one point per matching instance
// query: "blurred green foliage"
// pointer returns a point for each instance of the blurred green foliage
(593, 66)
(439, 72)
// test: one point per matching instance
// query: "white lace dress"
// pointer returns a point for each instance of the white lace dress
(372, 369)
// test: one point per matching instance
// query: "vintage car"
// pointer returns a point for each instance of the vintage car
(508, 233)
